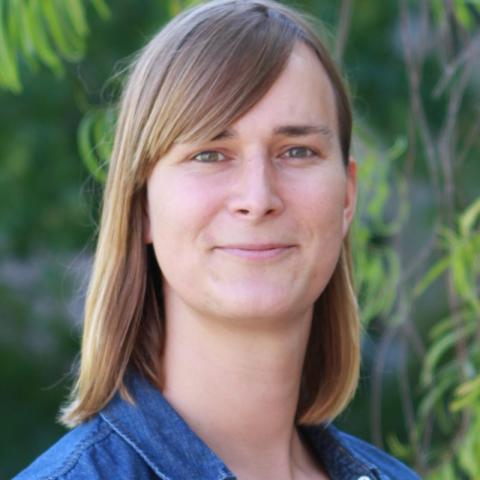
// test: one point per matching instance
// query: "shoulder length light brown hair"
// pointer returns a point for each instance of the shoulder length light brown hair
(201, 72)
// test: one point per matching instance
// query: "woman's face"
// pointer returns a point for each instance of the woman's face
(249, 226)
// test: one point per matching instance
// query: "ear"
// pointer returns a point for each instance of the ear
(350, 194)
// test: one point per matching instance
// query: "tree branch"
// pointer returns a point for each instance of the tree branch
(344, 21)
(376, 404)
(413, 72)
(470, 52)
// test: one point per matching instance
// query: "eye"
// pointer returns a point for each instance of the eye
(299, 152)
(209, 156)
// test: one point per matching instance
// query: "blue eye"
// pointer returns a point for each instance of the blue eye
(299, 152)
(209, 156)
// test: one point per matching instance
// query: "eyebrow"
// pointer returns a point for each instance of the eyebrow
(285, 130)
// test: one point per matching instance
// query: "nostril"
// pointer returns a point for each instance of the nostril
(248, 211)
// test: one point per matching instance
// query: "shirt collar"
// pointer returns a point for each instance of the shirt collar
(338, 457)
(160, 436)
(172, 450)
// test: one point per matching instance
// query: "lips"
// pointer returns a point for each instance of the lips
(257, 246)
(256, 250)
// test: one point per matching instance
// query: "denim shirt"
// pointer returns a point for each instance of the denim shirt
(149, 440)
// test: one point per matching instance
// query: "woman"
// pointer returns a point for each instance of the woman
(221, 334)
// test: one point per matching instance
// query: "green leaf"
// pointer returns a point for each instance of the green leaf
(41, 31)
(465, 257)
(468, 387)
(398, 148)
(463, 14)
(469, 217)
(87, 148)
(467, 394)
(377, 204)
(174, 7)
(76, 13)
(445, 472)
(13, 24)
(469, 452)
(25, 36)
(436, 394)
(435, 271)
(40, 38)
(102, 9)
(69, 46)
(75, 40)
(103, 136)
(9, 75)
(464, 401)
(441, 328)
(399, 449)
(439, 349)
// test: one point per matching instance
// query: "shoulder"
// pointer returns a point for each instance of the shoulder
(90, 451)
(346, 456)
(387, 465)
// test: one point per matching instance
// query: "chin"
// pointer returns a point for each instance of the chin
(269, 306)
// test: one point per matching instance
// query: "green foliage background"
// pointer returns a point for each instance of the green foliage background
(416, 237)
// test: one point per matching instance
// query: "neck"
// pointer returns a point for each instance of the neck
(238, 389)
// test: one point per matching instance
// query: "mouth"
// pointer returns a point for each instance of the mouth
(256, 251)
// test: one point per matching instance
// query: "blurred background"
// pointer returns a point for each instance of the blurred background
(413, 69)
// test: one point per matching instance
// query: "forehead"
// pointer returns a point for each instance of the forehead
(301, 94)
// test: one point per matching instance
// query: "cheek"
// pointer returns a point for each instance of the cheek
(325, 243)
(322, 223)
(176, 203)
(321, 205)
(180, 213)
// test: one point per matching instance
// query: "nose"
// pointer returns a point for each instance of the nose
(256, 193)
